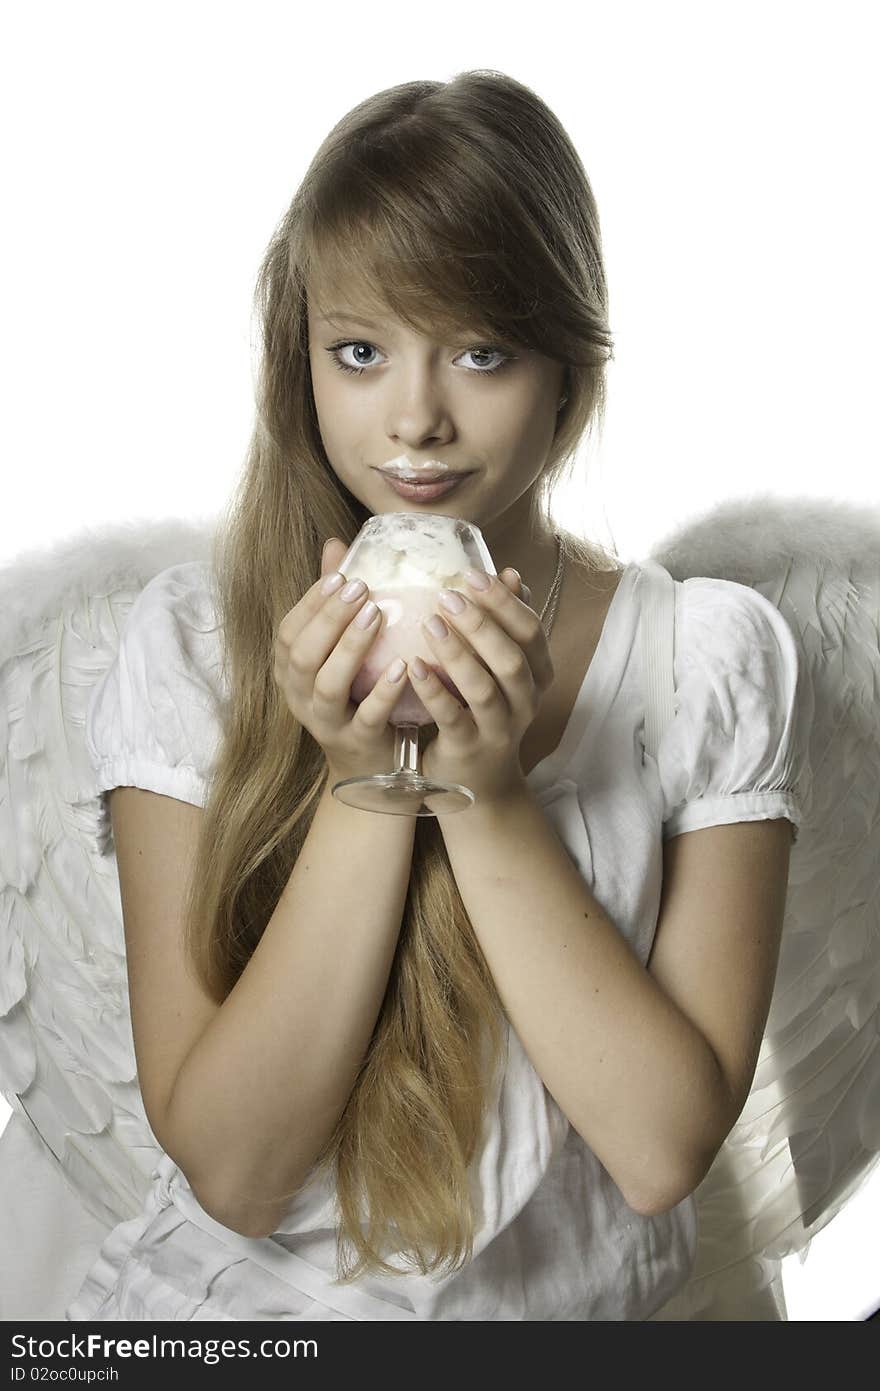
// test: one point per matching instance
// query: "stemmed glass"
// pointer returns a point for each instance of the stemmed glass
(406, 558)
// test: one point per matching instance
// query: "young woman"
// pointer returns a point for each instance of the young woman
(474, 1066)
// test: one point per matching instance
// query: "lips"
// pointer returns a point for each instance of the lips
(425, 492)
(423, 475)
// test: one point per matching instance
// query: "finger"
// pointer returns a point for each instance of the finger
(333, 554)
(489, 696)
(515, 619)
(344, 631)
(309, 634)
(296, 619)
(445, 709)
(516, 584)
(374, 711)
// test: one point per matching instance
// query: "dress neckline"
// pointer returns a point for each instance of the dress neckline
(593, 697)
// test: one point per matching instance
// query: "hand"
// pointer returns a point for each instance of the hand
(497, 655)
(319, 650)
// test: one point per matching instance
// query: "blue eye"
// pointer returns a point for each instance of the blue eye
(490, 352)
(357, 344)
(359, 367)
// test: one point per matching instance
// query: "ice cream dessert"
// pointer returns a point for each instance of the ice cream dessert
(405, 559)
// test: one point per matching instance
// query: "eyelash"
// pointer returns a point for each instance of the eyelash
(362, 342)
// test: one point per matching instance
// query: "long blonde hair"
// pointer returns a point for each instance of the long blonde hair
(460, 202)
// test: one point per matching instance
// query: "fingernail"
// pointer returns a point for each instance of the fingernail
(396, 669)
(353, 590)
(332, 583)
(435, 625)
(367, 614)
(477, 579)
(451, 601)
(418, 669)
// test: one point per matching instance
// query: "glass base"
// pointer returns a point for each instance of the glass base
(405, 793)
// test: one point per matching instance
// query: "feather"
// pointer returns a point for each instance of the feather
(808, 1137)
(66, 1051)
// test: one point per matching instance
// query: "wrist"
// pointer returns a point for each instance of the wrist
(360, 819)
(488, 805)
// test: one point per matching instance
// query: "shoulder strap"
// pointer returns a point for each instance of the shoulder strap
(658, 645)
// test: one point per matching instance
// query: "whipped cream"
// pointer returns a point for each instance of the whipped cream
(403, 467)
(401, 549)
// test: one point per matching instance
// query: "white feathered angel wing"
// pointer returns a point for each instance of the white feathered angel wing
(809, 1134)
(66, 1051)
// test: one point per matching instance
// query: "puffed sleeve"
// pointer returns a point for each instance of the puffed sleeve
(731, 752)
(154, 717)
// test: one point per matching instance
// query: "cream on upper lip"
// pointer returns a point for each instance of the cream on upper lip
(404, 468)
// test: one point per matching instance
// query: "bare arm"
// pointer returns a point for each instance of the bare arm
(257, 1084)
(651, 1066)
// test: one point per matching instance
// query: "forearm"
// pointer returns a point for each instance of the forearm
(634, 1076)
(263, 1088)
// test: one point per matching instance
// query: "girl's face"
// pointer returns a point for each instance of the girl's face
(383, 391)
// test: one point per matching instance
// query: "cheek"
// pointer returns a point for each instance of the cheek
(326, 377)
(327, 393)
(320, 381)
(328, 417)
(344, 432)
(529, 426)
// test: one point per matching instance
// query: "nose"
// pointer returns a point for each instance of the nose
(418, 413)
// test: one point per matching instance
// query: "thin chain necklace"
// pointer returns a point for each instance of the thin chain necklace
(553, 596)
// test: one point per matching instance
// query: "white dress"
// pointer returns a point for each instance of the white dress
(556, 1240)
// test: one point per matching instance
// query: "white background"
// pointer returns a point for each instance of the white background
(151, 149)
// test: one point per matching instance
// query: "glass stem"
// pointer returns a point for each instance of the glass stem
(406, 748)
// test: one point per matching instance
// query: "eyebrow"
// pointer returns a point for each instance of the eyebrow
(340, 317)
(337, 315)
